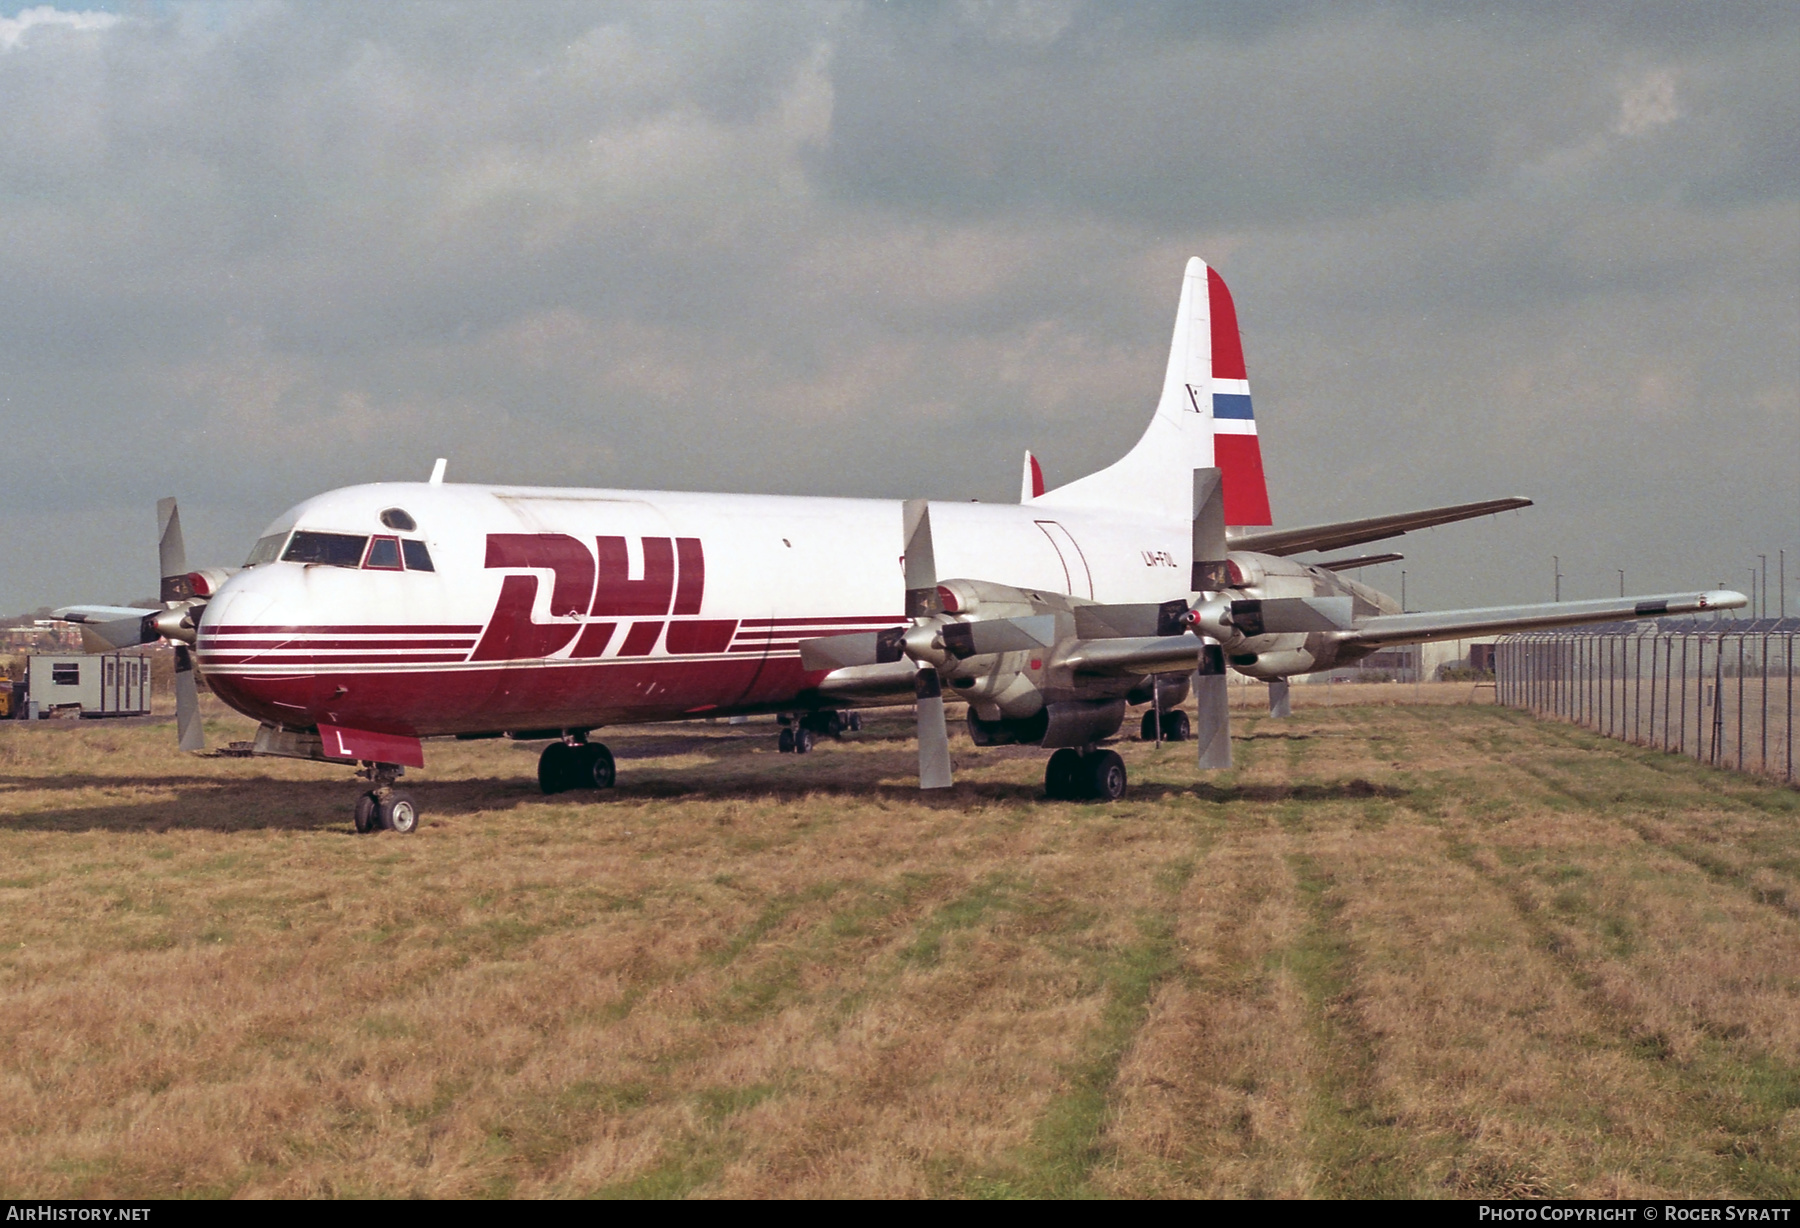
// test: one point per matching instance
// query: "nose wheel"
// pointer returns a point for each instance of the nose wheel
(1093, 776)
(383, 807)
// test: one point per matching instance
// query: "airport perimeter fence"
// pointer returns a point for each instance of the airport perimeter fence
(1718, 690)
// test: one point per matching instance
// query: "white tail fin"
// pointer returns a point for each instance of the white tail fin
(1203, 420)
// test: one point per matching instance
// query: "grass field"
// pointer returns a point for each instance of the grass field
(1411, 950)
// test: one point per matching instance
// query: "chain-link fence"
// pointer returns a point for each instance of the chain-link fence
(1719, 690)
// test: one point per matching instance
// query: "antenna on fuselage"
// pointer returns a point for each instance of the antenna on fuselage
(437, 471)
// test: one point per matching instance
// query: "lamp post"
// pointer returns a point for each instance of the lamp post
(1621, 572)
(1556, 564)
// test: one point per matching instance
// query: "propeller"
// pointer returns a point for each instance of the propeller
(1211, 574)
(178, 594)
(926, 609)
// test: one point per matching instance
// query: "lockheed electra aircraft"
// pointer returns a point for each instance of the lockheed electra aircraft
(370, 618)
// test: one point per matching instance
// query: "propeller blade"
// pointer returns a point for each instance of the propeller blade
(107, 628)
(1281, 698)
(1212, 728)
(1285, 615)
(934, 735)
(187, 701)
(991, 635)
(839, 651)
(1211, 570)
(1101, 622)
(172, 552)
(921, 567)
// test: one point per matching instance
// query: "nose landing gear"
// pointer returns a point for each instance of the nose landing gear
(383, 807)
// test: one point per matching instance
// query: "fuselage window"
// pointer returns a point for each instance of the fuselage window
(332, 549)
(396, 518)
(417, 557)
(267, 549)
(384, 554)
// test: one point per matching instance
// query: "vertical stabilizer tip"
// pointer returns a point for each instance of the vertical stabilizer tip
(437, 471)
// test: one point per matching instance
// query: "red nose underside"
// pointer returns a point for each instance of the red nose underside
(485, 699)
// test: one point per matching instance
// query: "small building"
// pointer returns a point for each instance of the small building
(113, 684)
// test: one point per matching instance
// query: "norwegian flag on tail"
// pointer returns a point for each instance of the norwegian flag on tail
(1235, 448)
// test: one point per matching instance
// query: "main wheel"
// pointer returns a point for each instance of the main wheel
(557, 771)
(1060, 775)
(803, 740)
(1175, 727)
(365, 819)
(1104, 776)
(593, 767)
(785, 743)
(1147, 727)
(398, 813)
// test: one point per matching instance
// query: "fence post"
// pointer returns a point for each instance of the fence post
(1682, 739)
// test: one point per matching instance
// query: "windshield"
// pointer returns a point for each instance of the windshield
(267, 549)
(333, 549)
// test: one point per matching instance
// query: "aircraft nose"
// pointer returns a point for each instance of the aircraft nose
(241, 633)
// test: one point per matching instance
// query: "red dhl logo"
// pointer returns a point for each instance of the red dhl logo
(597, 583)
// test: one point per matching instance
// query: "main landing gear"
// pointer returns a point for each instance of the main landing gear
(575, 765)
(1175, 726)
(801, 730)
(383, 807)
(1080, 776)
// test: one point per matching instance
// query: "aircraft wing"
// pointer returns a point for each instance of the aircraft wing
(1499, 620)
(1355, 532)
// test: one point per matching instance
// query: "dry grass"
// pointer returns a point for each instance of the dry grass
(1402, 949)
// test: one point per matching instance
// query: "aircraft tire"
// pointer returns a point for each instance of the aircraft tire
(803, 740)
(1175, 726)
(594, 767)
(1103, 774)
(555, 774)
(785, 743)
(365, 821)
(399, 813)
(1061, 775)
(1147, 727)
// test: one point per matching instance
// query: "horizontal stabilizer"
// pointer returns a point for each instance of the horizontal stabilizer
(1361, 560)
(1499, 620)
(1355, 532)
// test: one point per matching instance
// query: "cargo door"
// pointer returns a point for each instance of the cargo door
(1079, 581)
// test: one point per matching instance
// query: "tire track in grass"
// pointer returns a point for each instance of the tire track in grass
(1066, 1143)
(1356, 1149)
(1741, 1100)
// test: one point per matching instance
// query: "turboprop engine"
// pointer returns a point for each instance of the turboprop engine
(184, 595)
(1043, 668)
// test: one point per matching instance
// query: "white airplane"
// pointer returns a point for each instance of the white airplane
(369, 618)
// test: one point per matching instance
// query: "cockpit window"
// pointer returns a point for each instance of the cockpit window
(384, 554)
(396, 518)
(267, 549)
(417, 557)
(332, 549)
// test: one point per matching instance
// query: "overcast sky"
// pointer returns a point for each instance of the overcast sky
(254, 251)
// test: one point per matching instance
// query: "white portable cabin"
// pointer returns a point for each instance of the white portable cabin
(114, 684)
